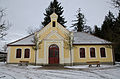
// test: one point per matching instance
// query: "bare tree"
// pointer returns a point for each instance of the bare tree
(69, 44)
(3, 24)
(36, 46)
(35, 40)
(33, 30)
(4, 47)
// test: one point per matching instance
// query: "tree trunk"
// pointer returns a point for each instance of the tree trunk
(71, 57)
(35, 56)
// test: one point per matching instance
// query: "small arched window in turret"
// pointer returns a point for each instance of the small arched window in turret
(53, 23)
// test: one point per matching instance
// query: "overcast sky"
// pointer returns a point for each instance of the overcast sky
(24, 14)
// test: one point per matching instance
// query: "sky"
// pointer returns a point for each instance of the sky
(25, 14)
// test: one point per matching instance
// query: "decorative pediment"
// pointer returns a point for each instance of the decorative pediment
(54, 35)
(53, 30)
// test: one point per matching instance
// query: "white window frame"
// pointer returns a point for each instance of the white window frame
(100, 52)
(79, 52)
(95, 53)
(16, 53)
(29, 53)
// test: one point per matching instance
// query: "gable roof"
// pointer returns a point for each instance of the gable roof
(79, 38)
(23, 41)
(85, 38)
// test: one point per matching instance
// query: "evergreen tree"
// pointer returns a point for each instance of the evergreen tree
(107, 27)
(56, 7)
(97, 31)
(111, 32)
(87, 29)
(79, 22)
(116, 3)
(117, 37)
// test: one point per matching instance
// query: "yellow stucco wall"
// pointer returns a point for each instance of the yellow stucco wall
(108, 58)
(13, 59)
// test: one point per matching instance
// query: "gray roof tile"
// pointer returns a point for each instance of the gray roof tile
(79, 38)
(24, 41)
(85, 38)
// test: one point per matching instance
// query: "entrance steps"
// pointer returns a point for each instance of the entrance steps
(53, 66)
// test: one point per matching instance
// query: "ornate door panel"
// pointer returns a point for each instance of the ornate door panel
(53, 54)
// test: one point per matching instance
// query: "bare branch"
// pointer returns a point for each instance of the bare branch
(33, 30)
(116, 3)
(4, 26)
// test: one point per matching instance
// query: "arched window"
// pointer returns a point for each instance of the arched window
(92, 52)
(18, 53)
(102, 52)
(27, 53)
(82, 52)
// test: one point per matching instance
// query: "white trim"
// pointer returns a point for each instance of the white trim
(40, 61)
(61, 50)
(44, 29)
(105, 52)
(37, 56)
(85, 53)
(29, 53)
(8, 54)
(37, 53)
(53, 33)
(67, 60)
(53, 40)
(45, 57)
(95, 53)
(62, 28)
(21, 53)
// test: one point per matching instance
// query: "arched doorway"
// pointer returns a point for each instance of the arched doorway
(53, 54)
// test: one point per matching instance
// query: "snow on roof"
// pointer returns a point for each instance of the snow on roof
(3, 52)
(79, 38)
(85, 38)
(24, 41)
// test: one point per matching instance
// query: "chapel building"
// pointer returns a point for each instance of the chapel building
(57, 45)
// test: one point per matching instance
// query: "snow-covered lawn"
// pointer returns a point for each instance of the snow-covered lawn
(12, 71)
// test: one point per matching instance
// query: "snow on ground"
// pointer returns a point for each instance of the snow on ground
(12, 71)
(86, 66)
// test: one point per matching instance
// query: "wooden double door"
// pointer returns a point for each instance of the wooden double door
(54, 54)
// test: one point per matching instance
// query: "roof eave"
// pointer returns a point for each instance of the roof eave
(22, 45)
(94, 44)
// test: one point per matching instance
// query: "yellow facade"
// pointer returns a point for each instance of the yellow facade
(12, 54)
(77, 59)
(58, 35)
